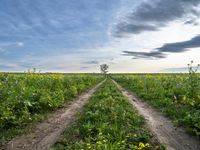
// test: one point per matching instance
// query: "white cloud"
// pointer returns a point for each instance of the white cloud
(20, 44)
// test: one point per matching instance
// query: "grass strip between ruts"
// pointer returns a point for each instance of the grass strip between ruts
(108, 121)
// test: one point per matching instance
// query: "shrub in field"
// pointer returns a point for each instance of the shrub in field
(193, 81)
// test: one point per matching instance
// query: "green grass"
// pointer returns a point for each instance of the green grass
(176, 95)
(109, 122)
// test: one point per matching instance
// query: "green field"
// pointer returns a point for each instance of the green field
(108, 121)
(176, 95)
(27, 98)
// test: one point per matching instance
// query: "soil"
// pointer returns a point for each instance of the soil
(47, 132)
(172, 137)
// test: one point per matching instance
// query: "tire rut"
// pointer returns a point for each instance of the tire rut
(46, 133)
(173, 138)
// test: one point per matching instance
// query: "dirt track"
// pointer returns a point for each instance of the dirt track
(45, 134)
(174, 138)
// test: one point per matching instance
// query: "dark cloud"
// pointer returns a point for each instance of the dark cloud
(152, 15)
(124, 28)
(191, 22)
(160, 52)
(84, 67)
(91, 62)
(180, 46)
(145, 55)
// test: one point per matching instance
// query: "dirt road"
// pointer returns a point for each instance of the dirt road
(45, 134)
(174, 138)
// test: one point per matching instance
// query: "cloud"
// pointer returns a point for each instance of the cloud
(6, 65)
(180, 46)
(7, 44)
(20, 44)
(191, 22)
(158, 53)
(6, 47)
(91, 62)
(124, 29)
(146, 55)
(152, 15)
(175, 70)
(84, 67)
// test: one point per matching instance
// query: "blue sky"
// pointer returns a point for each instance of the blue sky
(77, 36)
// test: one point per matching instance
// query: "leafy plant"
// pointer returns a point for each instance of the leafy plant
(193, 81)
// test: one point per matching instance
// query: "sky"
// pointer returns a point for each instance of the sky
(78, 36)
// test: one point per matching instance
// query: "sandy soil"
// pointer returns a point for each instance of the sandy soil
(45, 133)
(174, 138)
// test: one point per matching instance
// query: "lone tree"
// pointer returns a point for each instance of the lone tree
(104, 68)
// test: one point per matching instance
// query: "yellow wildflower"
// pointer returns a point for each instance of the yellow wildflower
(141, 145)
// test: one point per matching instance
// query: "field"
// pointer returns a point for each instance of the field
(176, 95)
(27, 98)
(107, 120)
